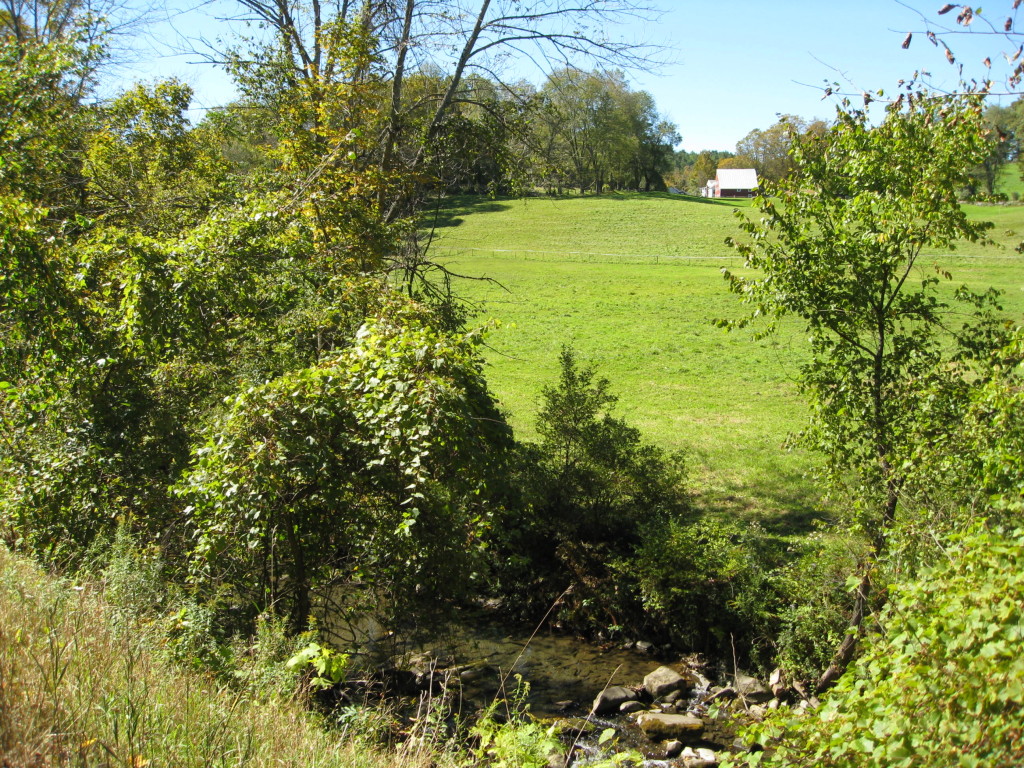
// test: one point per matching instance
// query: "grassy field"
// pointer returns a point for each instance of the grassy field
(1009, 180)
(634, 283)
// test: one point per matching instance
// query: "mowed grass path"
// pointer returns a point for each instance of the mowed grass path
(634, 283)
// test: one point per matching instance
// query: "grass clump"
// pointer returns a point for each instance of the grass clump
(78, 687)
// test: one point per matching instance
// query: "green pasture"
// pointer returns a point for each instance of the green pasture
(634, 283)
(1010, 181)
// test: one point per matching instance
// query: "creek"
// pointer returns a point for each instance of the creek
(483, 661)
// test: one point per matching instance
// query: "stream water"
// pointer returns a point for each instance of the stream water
(564, 674)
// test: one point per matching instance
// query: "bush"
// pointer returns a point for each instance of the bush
(578, 501)
(368, 470)
(715, 586)
(940, 683)
(812, 603)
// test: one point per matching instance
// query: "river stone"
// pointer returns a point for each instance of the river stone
(610, 699)
(573, 726)
(673, 749)
(665, 680)
(701, 758)
(630, 707)
(661, 727)
(752, 690)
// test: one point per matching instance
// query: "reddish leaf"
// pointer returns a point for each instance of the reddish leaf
(1008, 25)
(907, 39)
(987, 62)
(931, 36)
(946, 8)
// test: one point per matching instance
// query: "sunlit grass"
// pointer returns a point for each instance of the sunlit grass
(634, 283)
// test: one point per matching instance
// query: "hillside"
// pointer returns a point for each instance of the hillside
(634, 283)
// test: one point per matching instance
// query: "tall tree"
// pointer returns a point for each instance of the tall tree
(598, 132)
(768, 149)
(462, 37)
(839, 248)
(702, 171)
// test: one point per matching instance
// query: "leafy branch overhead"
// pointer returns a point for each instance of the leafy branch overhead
(972, 20)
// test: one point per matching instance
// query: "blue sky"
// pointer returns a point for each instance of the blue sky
(742, 62)
(735, 64)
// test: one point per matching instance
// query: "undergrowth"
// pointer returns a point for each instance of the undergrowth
(79, 687)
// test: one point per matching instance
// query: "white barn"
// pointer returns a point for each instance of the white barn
(732, 182)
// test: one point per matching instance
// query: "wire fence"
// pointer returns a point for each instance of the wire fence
(589, 257)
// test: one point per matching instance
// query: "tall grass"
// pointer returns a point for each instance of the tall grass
(77, 691)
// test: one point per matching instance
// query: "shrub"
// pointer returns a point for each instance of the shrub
(719, 587)
(578, 501)
(940, 683)
(811, 602)
(367, 470)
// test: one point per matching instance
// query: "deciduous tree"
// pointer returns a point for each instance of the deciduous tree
(839, 246)
(768, 149)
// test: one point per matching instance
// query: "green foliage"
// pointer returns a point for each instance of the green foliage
(42, 123)
(941, 683)
(768, 150)
(519, 741)
(595, 134)
(147, 170)
(804, 615)
(371, 466)
(839, 248)
(708, 582)
(601, 474)
(329, 665)
(40, 191)
(579, 501)
(978, 465)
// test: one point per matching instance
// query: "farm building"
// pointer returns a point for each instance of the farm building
(732, 182)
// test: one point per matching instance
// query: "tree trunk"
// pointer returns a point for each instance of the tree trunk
(394, 116)
(844, 654)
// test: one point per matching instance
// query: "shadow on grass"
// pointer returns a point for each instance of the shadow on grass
(784, 503)
(729, 202)
(450, 212)
(630, 196)
(726, 202)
